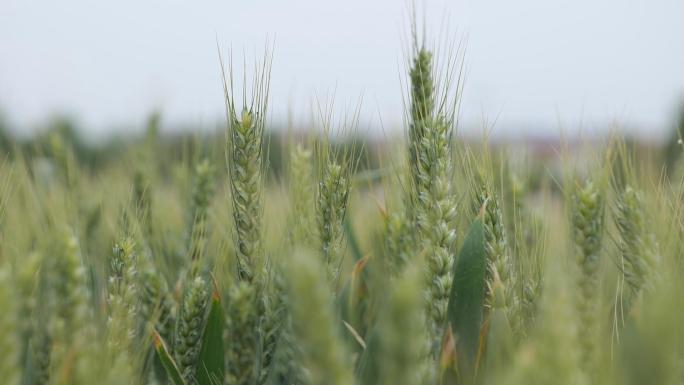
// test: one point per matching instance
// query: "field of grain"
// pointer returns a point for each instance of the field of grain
(427, 260)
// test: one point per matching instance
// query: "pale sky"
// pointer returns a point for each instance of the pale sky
(530, 64)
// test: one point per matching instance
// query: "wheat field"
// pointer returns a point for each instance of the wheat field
(438, 261)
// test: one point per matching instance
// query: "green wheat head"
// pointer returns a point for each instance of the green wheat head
(587, 232)
(203, 187)
(122, 301)
(242, 337)
(324, 356)
(431, 202)
(302, 195)
(246, 164)
(500, 264)
(636, 243)
(191, 320)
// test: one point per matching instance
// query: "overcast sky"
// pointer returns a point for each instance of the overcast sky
(530, 64)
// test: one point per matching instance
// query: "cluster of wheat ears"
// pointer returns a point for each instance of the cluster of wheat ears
(451, 264)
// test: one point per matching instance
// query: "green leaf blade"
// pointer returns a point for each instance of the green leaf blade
(211, 364)
(167, 361)
(466, 301)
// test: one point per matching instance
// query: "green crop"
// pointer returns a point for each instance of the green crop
(421, 260)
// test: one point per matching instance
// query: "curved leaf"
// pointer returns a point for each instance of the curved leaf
(466, 301)
(211, 364)
(167, 361)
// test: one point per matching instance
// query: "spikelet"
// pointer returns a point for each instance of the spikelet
(651, 344)
(156, 313)
(431, 203)
(333, 199)
(271, 328)
(550, 356)
(422, 107)
(587, 231)
(65, 161)
(72, 329)
(157, 309)
(530, 295)
(246, 164)
(526, 244)
(421, 130)
(40, 347)
(39, 354)
(142, 200)
(397, 241)
(636, 244)
(68, 285)
(191, 319)
(398, 347)
(122, 301)
(302, 232)
(242, 334)
(202, 193)
(301, 183)
(324, 356)
(112, 357)
(499, 260)
(26, 275)
(286, 365)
